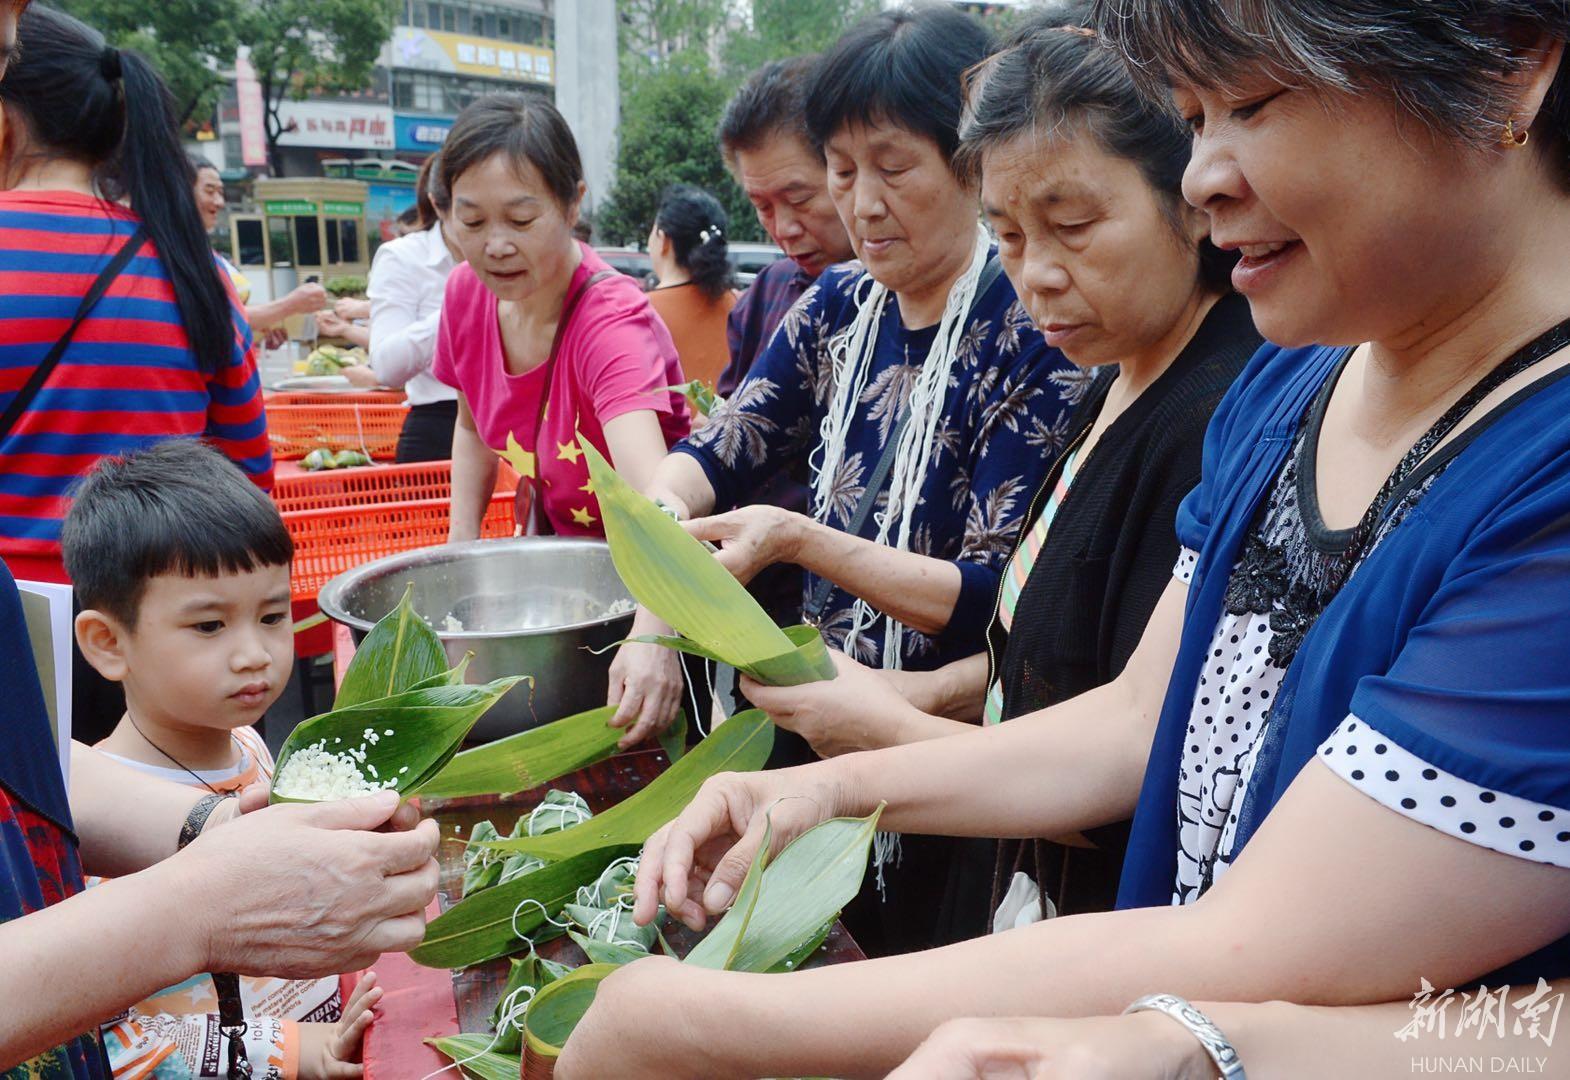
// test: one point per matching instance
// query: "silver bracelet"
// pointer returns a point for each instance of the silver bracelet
(1199, 1025)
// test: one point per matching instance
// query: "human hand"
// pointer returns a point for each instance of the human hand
(332, 1051)
(352, 308)
(695, 864)
(751, 538)
(254, 797)
(856, 710)
(307, 298)
(361, 375)
(1142, 1046)
(330, 324)
(276, 338)
(627, 1031)
(333, 895)
(646, 683)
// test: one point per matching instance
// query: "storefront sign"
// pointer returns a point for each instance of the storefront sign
(336, 125)
(459, 54)
(422, 133)
(253, 122)
(343, 209)
(289, 207)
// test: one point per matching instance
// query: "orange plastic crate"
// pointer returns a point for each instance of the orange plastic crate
(296, 430)
(339, 519)
(373, 484)
(348, 397)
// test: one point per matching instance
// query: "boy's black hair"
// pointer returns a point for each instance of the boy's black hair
(902, 67)
(178, 507)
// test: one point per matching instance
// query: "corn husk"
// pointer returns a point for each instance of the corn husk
(537, 756)
(482, 927)
(477, 1060)
(675, 577)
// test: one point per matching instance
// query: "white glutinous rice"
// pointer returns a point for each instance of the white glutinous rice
(452, 624)
(314, 772)
(621, 607)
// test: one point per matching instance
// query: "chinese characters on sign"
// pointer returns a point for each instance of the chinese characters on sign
(457, 54)
(1483, 1011)
(344, 125)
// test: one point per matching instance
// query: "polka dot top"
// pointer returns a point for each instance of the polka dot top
(1290, 568)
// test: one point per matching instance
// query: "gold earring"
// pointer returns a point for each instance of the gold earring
(1510, 138)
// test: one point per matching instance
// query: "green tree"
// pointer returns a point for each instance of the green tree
(300, 46)
(190, 42)
(782, 28)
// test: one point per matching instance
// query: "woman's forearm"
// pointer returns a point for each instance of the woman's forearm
(473, 478)
(126, 820)
(917, 590)
(268, 315)
(680, 480)
(1284, 1041)
(957, 691)
(69, 966)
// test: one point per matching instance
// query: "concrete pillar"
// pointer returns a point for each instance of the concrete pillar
(587, 86)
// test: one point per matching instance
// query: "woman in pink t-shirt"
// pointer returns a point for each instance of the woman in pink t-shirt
(516, 181)
(545, 343)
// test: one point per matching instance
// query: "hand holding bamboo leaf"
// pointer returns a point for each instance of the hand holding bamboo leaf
(859, 710)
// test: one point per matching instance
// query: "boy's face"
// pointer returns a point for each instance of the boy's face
(207, 652)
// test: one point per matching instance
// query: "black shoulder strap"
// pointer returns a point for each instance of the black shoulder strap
(812, 611)
(24, 397)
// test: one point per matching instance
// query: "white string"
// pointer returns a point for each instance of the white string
(614, 914)
(577, 810)
(521, 908)
(692, 695)
(512, 1013)
(851, 355)
(589, 895)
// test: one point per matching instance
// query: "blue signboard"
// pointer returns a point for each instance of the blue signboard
(424, 134)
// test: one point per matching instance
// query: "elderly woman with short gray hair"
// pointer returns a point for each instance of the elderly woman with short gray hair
(1343, 734)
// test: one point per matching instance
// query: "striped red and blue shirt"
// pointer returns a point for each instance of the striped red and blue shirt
(127, 380)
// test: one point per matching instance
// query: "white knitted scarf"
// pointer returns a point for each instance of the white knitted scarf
(851, 356)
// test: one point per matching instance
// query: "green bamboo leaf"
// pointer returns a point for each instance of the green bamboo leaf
(718, 947)
(399, 653)
(478, 1061)
(801, 889)
(741, 744)
(604, 952)
(482, 927)
(427, 726)
(530, 758)
(673, 576)
(558, 1008)
(808, 662)
(532, 971)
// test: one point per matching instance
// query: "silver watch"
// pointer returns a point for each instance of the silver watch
(1199, 1025)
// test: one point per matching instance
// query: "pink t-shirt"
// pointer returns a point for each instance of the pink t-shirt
(616, 357)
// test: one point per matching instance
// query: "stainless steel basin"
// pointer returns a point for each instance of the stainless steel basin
(526, 606)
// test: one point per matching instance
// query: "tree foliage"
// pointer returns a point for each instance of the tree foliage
(300, 46)
(190, 42)
(681, 61)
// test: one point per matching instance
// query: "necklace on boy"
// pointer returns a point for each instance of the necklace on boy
(170, 756)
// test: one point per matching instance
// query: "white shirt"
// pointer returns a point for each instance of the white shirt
(408, 279)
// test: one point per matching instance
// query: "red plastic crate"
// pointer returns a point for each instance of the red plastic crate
(341, 518)
(296, 430)
(347, 397)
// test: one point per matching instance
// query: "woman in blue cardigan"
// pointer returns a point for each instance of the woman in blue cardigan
(1345, 735)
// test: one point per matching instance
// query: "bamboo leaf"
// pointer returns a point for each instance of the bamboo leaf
(477, 1060)
(605, 952)
(807, 662)
(558, 1008)
(718, 947)
(672, 575)
(801, 890)
(399, 653)
(532, 971)
(530, 758)
(427, 726)
(741, 744)
(482, 927)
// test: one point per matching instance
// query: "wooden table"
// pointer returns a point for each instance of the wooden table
(427, 1004)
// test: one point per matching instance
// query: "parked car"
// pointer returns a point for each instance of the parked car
(630, 261)
(748, 259)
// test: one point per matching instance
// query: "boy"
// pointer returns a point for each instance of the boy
(181, 569)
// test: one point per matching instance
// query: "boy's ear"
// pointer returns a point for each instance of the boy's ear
(102, 641)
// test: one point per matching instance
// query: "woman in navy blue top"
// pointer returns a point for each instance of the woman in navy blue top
(1345, 735)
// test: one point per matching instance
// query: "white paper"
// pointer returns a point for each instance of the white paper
(46, 607)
